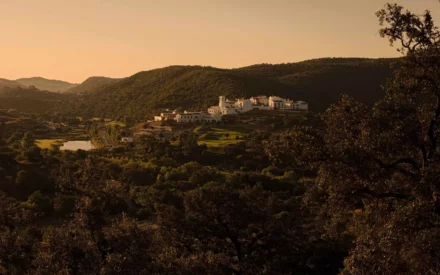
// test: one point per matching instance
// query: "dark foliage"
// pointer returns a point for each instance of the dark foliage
(320, 82)
(352, 191)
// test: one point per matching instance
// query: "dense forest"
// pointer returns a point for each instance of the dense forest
(30, 99)
(55, 86)
(91, 84)
(319, 82)
(352, 190)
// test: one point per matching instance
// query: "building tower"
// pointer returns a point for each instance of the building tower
(222, 101)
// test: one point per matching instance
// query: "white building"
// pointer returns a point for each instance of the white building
(278, 103)
(197, 117)
(231, 107)
(243, 105)
(189, 117)
(260, 100)
(234, 107)
(165, 116)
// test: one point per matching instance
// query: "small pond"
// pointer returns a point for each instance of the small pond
(74, 145)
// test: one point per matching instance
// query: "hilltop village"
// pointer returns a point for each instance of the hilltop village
(92, 183)
(87, 133)
(234, 107)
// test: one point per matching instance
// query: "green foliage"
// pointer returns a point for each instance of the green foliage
(272, 171)
(22, 178)
(144, 213)
(352, 191)
(91, 84)
(219, 137)
(64, 205)
(15, 137)
(39, 203)
(242, 226)
(194, 87)
(33, 154)
(52, 144)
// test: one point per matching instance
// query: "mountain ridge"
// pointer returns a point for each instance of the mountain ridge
(92, 83)
(319, 82)
(9, 83)
(51, 85)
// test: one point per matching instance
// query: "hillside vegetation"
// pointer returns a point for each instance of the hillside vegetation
(350, 191)
(320, 82)
(92, 84)
(56, 86)
(29, 100)
(9, 83)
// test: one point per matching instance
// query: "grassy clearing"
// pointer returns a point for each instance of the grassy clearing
(57, 139)
(48, 143)
(77, 132)
(220, 136)
(114, 123)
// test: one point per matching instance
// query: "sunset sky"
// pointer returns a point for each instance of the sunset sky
(72, 40)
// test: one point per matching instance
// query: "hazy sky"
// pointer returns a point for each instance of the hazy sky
(72, 40)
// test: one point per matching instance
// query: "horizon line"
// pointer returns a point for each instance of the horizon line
(196, 65)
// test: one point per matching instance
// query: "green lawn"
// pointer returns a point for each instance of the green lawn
(215, 137)
(47, 143)
(77, 132)
(114, 123)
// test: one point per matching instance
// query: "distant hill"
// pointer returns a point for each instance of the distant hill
(320, 82)
(56, 86)
(91, 84)
(9, 83)
(30, 100)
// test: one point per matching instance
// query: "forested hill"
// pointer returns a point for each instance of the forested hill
(30, 100)
(320, 82)
(56, 86)
(92, 84)
(9, 83)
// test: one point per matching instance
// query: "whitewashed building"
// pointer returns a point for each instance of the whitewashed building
(166, 116)
(278, 103)
(243, 105)
(231, 107)
(186, 117)
(234, 107)
(260, 100)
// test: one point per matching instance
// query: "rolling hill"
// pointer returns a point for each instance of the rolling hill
(55, 86)
(9, 83)
(320, 82)
(29, 100)
(92, 84)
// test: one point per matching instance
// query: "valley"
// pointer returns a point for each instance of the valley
(319, 82)
(322, 166)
